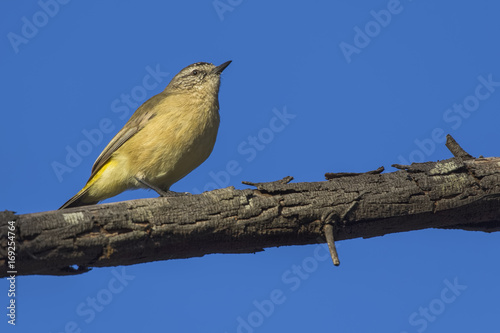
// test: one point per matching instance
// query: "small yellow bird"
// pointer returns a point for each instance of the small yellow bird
(166, 138)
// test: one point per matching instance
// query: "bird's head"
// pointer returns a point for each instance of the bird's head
(201, 77)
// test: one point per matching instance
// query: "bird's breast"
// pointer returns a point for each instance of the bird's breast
(177, 140)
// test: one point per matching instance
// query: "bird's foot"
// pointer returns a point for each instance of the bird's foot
(158, 190)
(172, 193)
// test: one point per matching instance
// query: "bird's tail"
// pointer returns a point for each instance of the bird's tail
(80, 199)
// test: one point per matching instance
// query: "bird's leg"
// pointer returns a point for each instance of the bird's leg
(158, 190)
(148, 185)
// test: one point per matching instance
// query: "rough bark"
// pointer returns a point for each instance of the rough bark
(460, 193)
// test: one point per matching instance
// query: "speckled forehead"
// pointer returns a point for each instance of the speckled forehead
(199, 65)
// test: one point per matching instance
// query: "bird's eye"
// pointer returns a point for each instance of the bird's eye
(195, 72)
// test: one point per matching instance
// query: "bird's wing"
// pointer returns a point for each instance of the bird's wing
(136, 122)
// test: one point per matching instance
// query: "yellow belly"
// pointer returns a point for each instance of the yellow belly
(167, 148)
(170, 147)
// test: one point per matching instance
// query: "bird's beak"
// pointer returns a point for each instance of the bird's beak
(220, 68)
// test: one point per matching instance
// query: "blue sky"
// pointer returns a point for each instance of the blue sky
(362, 84)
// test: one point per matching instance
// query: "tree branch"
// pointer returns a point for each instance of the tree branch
(460, 193)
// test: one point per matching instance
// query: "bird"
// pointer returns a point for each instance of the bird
(166, 138)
